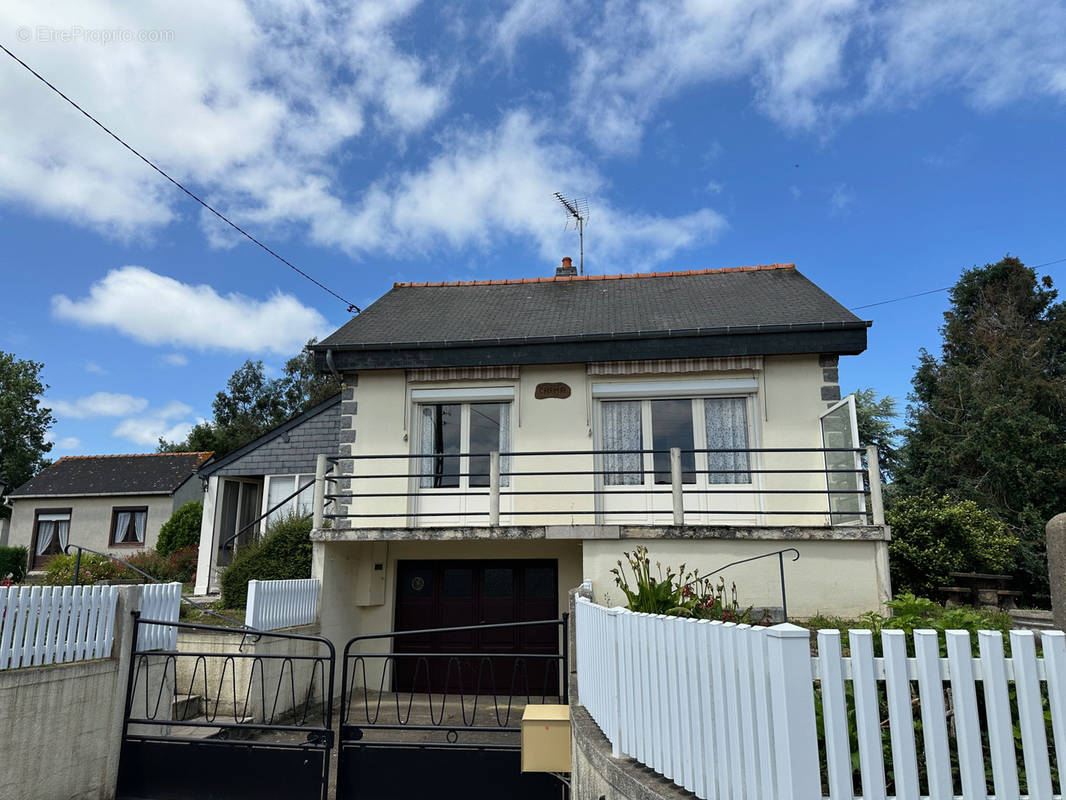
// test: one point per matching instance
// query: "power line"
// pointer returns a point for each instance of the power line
(941, 289)
(351, 306)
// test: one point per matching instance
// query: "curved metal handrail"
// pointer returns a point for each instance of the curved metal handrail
(780, 563)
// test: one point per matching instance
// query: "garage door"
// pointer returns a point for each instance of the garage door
(444, 594)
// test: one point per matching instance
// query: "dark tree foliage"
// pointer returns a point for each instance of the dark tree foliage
(24, 423)
(252, 404)
(988, 417)
(876, 418)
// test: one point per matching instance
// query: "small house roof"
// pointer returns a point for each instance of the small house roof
(149, 473)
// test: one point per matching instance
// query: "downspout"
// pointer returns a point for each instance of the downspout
(332, 366)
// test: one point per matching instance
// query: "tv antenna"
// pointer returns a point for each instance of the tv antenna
(577, 214)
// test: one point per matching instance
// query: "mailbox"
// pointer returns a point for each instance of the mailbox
(546, 738)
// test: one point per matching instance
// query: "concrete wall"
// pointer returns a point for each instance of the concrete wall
(61, 726)
(835, 576)
(783, 412)
(241, 688)
(90, 519)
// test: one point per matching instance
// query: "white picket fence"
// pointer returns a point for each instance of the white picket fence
(728, 711)
(160, 601)
(55, 624)
(281, 604)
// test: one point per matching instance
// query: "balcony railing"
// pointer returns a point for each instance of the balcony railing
(775, 486)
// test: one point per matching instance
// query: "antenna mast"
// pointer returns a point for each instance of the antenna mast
(577, 215)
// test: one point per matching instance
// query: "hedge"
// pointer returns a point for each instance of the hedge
(182, 529)
(13, 563)
(283, 553)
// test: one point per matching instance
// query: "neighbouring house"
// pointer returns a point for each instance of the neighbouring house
(251, 486)
(111, 504)
(501, 441)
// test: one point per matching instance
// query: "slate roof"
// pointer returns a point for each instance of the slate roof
(155, 473)
(592, 306)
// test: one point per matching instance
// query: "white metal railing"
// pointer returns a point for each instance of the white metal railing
(728, 711)
(55, 624)
(160, 601)
(281, 604)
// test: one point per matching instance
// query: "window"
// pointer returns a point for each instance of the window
(51, 531)
(448, 429)
(281, 486)
(128, 525)
(717, 424)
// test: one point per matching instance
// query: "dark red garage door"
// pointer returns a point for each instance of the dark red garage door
(445, 593)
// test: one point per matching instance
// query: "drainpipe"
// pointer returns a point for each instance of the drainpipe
(332, 367)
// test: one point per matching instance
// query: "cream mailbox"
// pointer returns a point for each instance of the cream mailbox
(546, 739)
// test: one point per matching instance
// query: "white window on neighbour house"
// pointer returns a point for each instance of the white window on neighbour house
(279, 487)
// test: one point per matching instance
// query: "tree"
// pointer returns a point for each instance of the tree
(23, 422)
(876, 421)
(251, 404)
(988, 417)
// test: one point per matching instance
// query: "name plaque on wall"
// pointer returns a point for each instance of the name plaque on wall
(557, 390)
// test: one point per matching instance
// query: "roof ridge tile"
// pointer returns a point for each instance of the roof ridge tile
(576, 278)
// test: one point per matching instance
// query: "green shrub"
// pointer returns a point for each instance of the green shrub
(13, 563)
(177, 566)
(182, 529)
(60, 570)
(283, 553)
(933, 536)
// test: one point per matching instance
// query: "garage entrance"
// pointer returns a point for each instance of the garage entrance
(447, 594)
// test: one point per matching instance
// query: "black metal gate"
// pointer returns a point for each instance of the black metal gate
(234, 715)
(449, 728)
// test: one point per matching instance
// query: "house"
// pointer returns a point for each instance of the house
(502, 441)
(111, 503)
(251, 486)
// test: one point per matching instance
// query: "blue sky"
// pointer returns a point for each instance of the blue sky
(880, 147)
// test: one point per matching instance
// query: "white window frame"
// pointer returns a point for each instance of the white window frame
(300, 479)
(464, 401)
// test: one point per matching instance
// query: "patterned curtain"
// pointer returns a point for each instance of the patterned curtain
(426, 445)
(621, 431)
(727, 429)
(505, 442)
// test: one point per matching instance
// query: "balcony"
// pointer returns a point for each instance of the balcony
(762, 487)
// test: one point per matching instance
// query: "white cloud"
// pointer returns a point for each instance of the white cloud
(500, 183)
(157, 310)
(92, 366)
(176, 360)
(67, 443)
(238, 96)
(810, 64)
(147, 429)
(100, 404)
(841, 199)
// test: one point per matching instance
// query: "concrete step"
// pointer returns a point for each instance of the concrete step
(187, 706)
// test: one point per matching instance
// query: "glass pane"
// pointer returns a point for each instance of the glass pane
(305, 500)
(622, 461)
(458, 582)
(726, 419)
(281, 486)
(671, 426)
(485, 436)
(499, 582)
(846, 501)
(230, 494)
(249, 511)
(441, 439)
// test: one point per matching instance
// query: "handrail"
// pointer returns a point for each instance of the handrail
(597, 452)
(142, 573)
(780, 564)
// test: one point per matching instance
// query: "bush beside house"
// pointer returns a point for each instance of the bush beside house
(182, 529)
(283, 553)
(933, 536)
(13, 563)
(178, 566)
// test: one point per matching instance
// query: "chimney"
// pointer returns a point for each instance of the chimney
(567, 270)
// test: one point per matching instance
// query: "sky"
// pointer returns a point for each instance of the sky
(881, 147)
